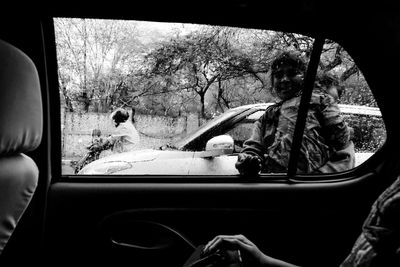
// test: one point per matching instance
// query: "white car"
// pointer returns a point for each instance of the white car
(210, 150)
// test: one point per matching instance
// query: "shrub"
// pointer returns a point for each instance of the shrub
(369, 132)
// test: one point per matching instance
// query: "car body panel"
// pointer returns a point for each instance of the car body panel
(147, 161)
(221, 165)
(187, 163)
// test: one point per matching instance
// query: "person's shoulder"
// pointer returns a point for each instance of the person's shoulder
(128, 126)
(122, 127)
(125, 124)
(389, 204)
(274, 107)
(272, 111)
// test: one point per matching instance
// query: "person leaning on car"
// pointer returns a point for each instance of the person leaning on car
(326, 145)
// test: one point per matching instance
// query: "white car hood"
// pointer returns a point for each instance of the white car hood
(145, 161)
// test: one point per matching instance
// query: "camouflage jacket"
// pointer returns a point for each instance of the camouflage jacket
(379, 243)
(272, 135)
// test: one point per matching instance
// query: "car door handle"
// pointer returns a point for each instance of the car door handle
(144, 235)
(141, 247)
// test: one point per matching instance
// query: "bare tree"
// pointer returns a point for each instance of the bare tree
(93, 57)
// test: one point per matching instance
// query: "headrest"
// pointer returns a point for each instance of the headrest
(21, 118)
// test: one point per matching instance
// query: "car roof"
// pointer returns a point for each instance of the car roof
(344, 108)
(362, 110)
(252, 106)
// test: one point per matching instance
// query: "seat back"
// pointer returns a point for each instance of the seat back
(21, 123)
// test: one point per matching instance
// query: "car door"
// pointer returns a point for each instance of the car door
(158, 220)
(239, 128)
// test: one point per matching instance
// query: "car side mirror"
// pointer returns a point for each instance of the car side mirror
(221, 145)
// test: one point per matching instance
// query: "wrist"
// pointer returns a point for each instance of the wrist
(268, 261)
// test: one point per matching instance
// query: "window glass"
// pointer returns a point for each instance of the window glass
(139, 97)
(339, 74)
(240, 133)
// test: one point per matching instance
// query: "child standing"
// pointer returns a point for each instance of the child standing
(268, 149)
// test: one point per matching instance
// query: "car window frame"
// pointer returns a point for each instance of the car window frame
(288, 177)
(226, 124)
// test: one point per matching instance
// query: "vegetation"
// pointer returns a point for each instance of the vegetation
(180, 69)
(104, 64)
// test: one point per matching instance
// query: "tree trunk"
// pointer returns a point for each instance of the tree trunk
(202, 112)
(68, 102)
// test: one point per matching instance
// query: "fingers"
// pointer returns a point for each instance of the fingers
(228, 242)
(248, 164)
(241, 157)
(243, 160)
(237, 248)
(244, 240)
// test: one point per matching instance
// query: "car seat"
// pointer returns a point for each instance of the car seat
(21, 124)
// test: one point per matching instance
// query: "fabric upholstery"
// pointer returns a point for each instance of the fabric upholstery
(20, 132)
(20, 102)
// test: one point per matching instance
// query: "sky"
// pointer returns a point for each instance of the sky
(166, 27)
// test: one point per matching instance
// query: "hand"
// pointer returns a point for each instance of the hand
(248, 164)
(247, 253)
(236, 249)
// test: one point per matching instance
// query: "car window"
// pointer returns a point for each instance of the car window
(139, 95)
(240, 134)
(241, 131)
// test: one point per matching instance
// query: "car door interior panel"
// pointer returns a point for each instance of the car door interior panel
(118, 222)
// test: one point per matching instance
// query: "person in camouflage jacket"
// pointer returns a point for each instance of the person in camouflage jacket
(268, 149)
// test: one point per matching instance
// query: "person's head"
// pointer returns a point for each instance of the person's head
(330, 84)
(287, 74)
(120, 115)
